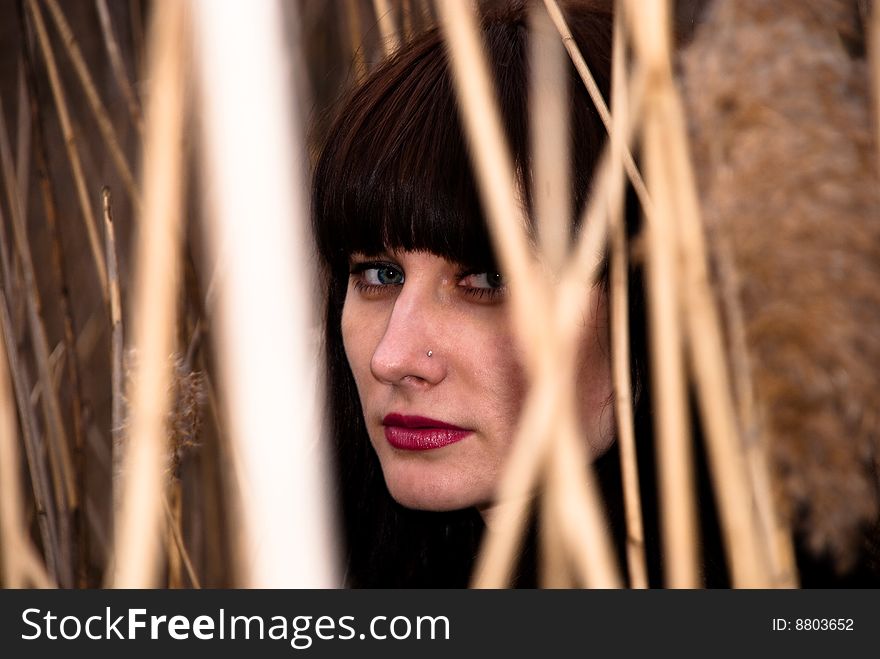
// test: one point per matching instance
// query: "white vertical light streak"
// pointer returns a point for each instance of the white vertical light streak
(258, 216)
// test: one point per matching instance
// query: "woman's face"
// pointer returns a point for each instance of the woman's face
(439, 378)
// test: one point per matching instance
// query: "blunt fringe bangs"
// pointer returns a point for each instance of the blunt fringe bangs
(395, 171)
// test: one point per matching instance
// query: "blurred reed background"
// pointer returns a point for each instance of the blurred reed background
(132, 391)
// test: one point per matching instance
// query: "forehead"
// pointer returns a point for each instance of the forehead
(403, 255)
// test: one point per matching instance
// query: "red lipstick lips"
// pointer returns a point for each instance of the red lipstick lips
(419, 433)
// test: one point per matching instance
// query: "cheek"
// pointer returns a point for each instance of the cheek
(498, 366)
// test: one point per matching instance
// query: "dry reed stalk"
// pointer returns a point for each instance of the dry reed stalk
(266, 317)
(498, 193)
(59, 271)
(729, 284)
(407, 19)
(874, 54)
(230, 465)
(172, 503)
(568, 479)
(58, 445)
(425, 12)
(59, 449)
(43, 501)
(23, 145)
(573, 501)
(356, 37)
(675, 459)
(136, 24)
(650, 28)
(70, 145)
(21, 565)
(172, 518)
(117, 353)
(589, 81)
(387, 27)
(740, 473)
(548, 113)
(582, 519)
(750, 543)
(623, 390)
(105, 126)
(582, 268)
(516, 489)
(118, 65)
(597, 563)
(748, 553)
(749, 546)
(579, 513)
(545, 358)
(494, 170)
(138, 522)
(553, 564)
(550, 149)
(782, 562)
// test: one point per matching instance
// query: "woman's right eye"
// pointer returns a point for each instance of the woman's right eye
(372, 277)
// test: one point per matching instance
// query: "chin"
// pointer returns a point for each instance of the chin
(429, 501)
(435, 495)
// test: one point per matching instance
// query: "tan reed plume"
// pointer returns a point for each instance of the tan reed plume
(797, 264)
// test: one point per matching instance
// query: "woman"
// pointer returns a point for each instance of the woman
(425, 385)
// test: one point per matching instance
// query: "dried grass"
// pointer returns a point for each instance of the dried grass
(761, 263)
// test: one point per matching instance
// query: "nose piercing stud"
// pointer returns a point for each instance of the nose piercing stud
(430, 353)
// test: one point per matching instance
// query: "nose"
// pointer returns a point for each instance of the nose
(410, 352)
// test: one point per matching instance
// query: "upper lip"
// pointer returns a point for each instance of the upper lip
(415, 421)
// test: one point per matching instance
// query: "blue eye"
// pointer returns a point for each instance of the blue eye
(384, 275)
(372, 278)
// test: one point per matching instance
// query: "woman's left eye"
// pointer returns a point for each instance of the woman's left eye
(483, 285)
(483, 280)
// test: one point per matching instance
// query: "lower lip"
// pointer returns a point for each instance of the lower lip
(422, 439)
